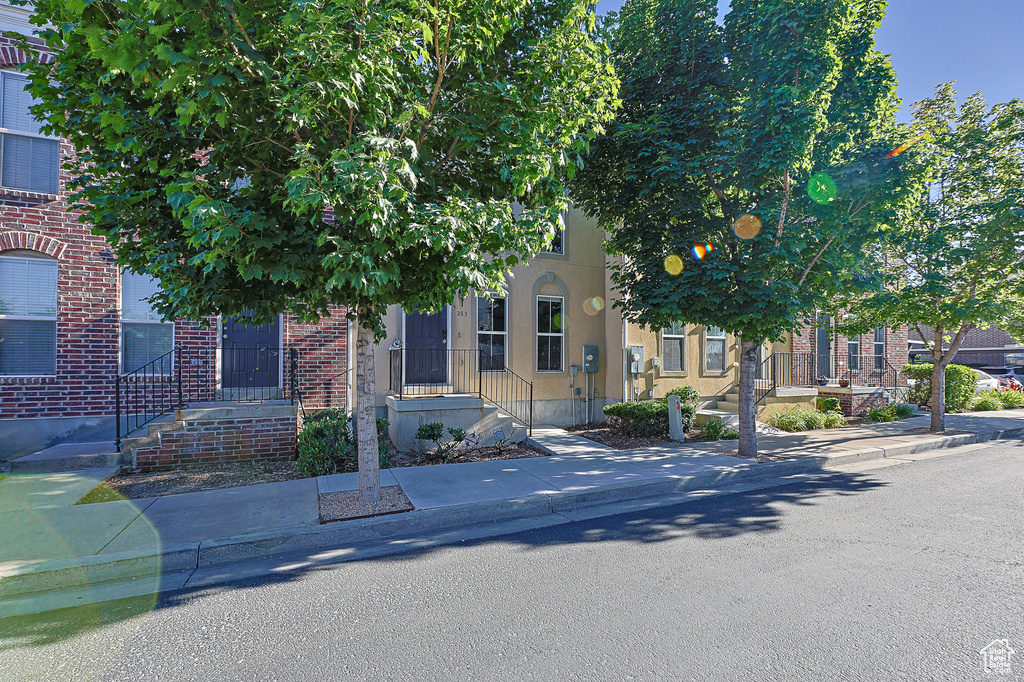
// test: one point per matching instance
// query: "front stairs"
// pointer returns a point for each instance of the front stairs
(726, 408)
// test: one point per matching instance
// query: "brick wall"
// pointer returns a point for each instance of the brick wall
(854, 404)
(805, 341)
(220, 441)
(990, 336)
(323, 359)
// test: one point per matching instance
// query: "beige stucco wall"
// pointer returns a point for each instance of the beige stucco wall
(578, 275)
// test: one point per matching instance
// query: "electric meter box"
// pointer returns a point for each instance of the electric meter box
(636, 359)
(590, 359)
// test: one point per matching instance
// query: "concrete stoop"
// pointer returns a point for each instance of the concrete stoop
(781, 399)
(483, 422)
(219, 431)
(70, 457)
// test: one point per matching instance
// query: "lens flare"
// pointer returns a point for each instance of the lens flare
(821, 188)
(747, 226)
(674, 265)
(902, 148)
(702, 250)
(592, 306)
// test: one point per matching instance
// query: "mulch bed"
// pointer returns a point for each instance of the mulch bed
(134, 486)
(613, 439)
(347, 505)
(510, 451)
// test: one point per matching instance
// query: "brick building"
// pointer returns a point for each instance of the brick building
(71, 321)
(983, 346)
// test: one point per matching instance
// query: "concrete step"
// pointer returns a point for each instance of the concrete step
(69, 457)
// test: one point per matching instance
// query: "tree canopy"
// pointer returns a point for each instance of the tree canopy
(281, 156)
(767, 138)
(956, 253)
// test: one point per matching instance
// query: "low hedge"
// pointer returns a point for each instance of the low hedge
(961, 383)
(644, 418)
(327, 445)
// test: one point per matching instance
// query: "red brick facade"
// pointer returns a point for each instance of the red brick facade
(88, 327)
(220, 441)
(895, 343)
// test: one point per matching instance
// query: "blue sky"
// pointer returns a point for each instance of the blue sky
(978, 43)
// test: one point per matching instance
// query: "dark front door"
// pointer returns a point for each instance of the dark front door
(426, 347)
(251, 355)
(825, 346)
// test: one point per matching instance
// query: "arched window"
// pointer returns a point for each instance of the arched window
(28, 314)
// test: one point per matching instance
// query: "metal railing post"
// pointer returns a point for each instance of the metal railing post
(293, 377)
(531, 410)
(177, 367)
(117, 408)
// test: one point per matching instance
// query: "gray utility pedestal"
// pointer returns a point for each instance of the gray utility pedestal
(675, 419)
(482, 421)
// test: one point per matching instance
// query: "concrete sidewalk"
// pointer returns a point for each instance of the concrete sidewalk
(158, 544)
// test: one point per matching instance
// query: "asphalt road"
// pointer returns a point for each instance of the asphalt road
(896, 573)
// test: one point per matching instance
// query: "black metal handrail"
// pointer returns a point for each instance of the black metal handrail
(425, 372)
(189, 375)
(807, 370)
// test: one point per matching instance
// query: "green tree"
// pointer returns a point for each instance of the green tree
(721, 130)
(283, 156)
(956, 253)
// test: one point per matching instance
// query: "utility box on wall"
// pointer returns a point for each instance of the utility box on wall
(589, 359)
(636, 359)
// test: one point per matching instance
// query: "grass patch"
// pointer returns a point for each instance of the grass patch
(101, 493)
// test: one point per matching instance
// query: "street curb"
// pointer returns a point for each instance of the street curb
(34, 577)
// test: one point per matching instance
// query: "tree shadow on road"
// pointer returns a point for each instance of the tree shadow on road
(752, 511)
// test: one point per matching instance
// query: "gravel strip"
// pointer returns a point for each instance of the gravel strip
(347, 505)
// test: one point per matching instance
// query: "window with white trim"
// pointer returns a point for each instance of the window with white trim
(28, 314)
(673, 348)
(879, 347)
(714, 349)
(853, 352)
(557, 245)
(550, 333)
(492, 332)
(29, 160)
(144, 335)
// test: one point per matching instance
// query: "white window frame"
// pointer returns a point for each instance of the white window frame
(723, 337)
(22, 133)
(879, 356)
(38, 318)
(489, 300)
(561, 333)
(121, 330)
(667, 334)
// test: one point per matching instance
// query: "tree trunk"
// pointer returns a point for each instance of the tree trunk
(366, 416)
(747, 411)
(938, 398)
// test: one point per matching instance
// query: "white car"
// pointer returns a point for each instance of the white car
(986, 382)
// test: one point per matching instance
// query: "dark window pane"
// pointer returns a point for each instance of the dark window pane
(543, 353)
(673, 360)
(143, 343)
(30, 164)
(17, 100)
(498, 323)
(557, 320)
(28, 347)
(555, 358)
(483, 315)
(715, 355)
(543, 316)
(492, 353)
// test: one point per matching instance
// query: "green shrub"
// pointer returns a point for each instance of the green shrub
(834, 420)
(826, 404)
(434, 432)
(961, 383)
(644, 418)
(384, 453)
(688, 396)
(799, 419)
(988, 402)
(325, 444)
(713, 430)
(1011, 399)
(903, 410)
(881, 414)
